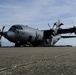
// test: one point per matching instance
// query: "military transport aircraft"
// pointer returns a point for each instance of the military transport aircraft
(23, 35)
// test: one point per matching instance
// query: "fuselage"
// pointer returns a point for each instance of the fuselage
(23, 34)
(20, 34)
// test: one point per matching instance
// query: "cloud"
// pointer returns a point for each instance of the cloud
(34, 11)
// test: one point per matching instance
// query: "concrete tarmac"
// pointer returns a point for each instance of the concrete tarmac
(38, 61)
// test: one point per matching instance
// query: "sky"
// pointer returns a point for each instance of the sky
(37, 14)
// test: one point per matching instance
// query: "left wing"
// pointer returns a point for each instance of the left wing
(69, 30)
(68, 36)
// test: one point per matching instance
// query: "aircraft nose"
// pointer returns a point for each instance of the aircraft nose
(9, 35)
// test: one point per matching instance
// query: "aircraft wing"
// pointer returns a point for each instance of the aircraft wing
(69, 30)
(68, 36)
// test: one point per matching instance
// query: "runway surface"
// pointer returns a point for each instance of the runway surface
(38, 61)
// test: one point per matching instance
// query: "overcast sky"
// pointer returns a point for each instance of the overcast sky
(37, 14)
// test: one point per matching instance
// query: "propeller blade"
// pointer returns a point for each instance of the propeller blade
(74, 29)
(58, 22)
(1, 34)
(3, 28)
(0, 40)
(49, 25)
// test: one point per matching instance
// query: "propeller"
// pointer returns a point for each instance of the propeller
(74, 27)
(74, 30)
(1, 34)
(58, 23)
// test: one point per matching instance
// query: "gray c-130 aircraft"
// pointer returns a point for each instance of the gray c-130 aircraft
(23, 35)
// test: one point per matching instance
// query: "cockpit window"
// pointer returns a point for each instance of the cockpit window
(15, 27)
